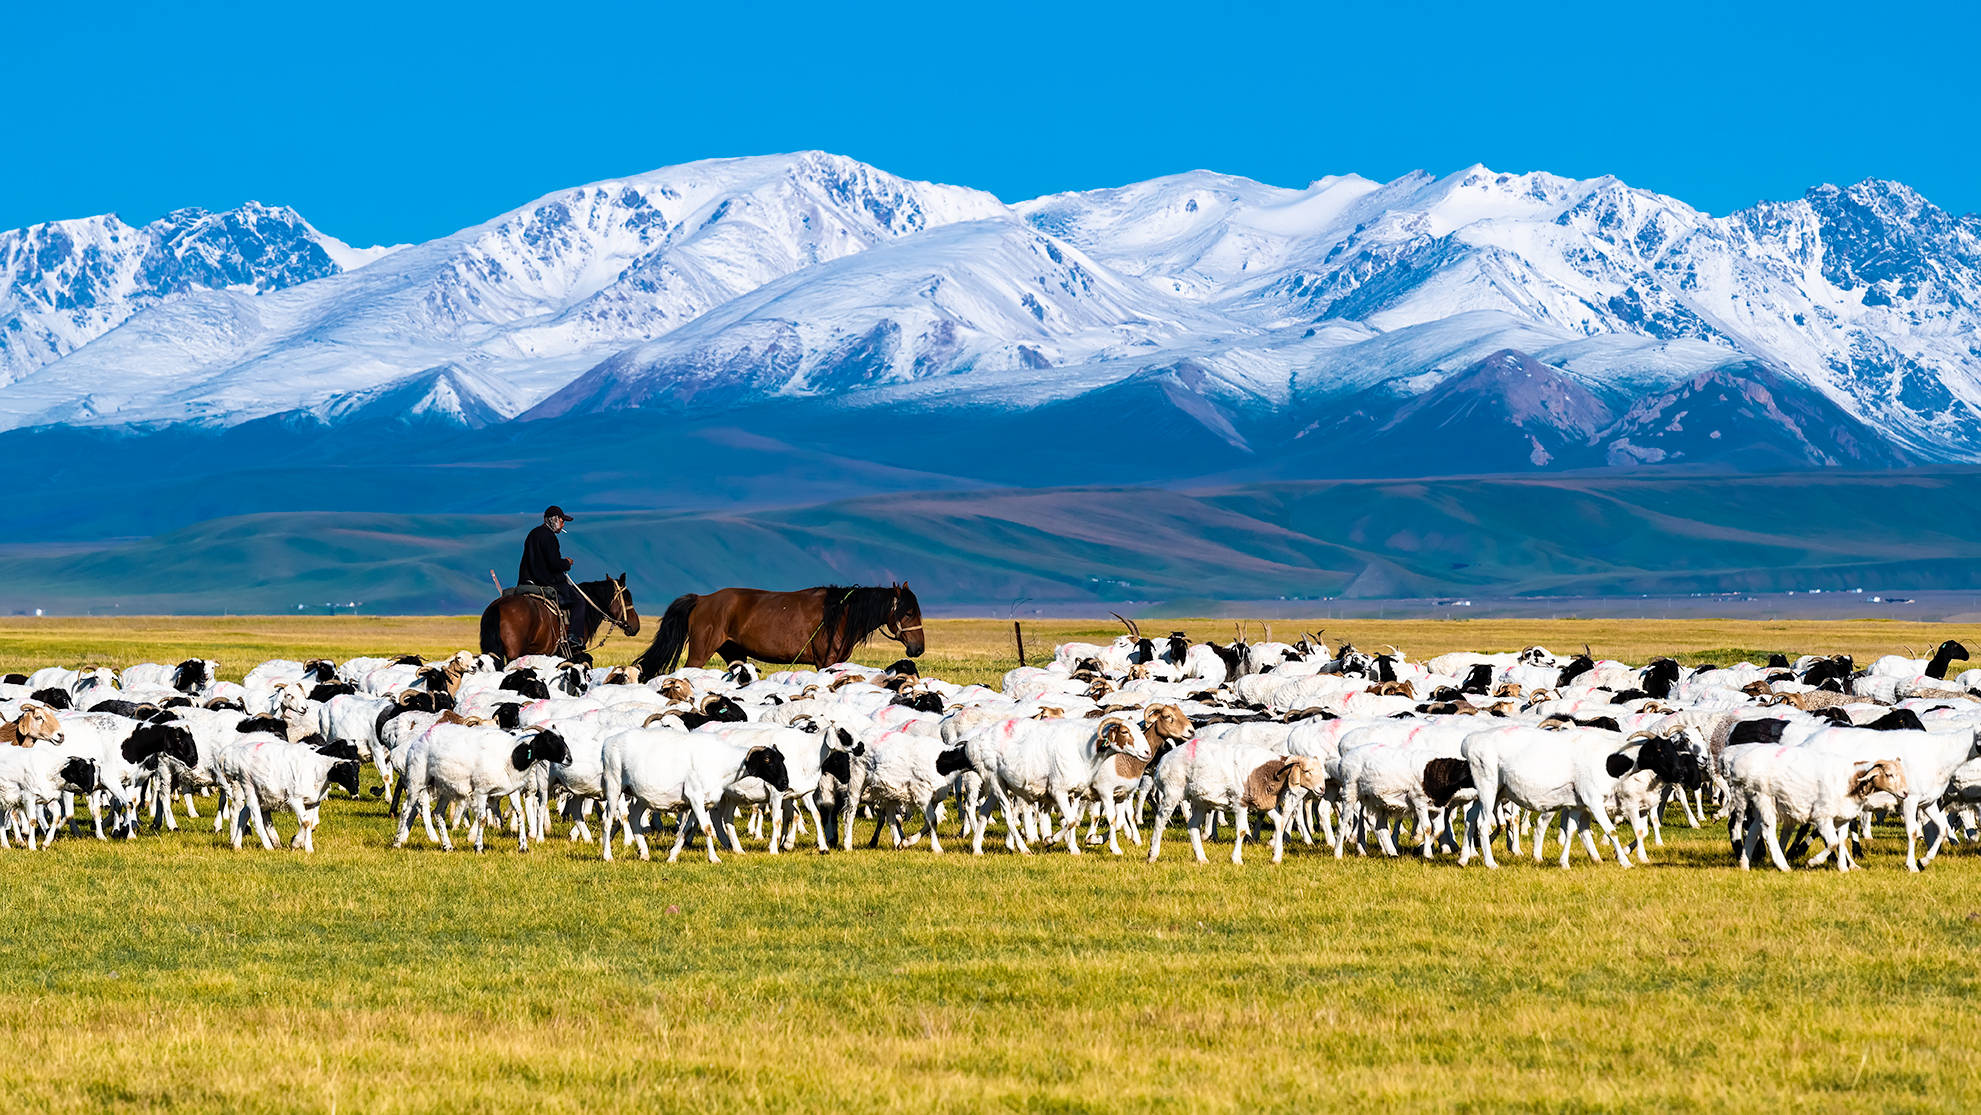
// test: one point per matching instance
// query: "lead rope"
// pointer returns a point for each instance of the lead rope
(807, 644)
(608, 616)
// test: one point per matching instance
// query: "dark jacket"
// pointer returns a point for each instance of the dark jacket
(543, 562)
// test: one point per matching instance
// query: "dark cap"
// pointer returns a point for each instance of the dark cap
(556, 512)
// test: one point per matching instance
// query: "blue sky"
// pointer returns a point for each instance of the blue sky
(403, 121)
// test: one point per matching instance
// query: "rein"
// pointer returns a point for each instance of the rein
(618, 590)
(807, 644)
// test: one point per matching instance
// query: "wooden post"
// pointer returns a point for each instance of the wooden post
(1018, 633)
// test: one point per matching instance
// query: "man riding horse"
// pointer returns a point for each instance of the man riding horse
(546, 613)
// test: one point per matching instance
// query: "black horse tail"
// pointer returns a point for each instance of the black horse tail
(491, 630)
(670, 640)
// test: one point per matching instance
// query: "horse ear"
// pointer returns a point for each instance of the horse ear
(622, 580)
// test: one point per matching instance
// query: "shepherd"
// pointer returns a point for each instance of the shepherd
(547, 612)
(544, 563)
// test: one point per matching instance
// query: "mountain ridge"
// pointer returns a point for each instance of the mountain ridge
(1263, 314)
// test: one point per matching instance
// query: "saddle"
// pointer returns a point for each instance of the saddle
(566, 631)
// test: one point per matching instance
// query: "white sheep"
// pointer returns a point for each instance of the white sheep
(473, 765)
(261, 769)
(1213, 774)
(668, 770)
(1808, 786)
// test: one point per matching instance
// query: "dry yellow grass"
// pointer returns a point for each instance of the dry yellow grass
(958, 649)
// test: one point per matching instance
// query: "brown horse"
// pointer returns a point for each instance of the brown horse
(819, 625)
(514, 626)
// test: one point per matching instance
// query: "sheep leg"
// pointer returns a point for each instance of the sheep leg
(1937, 818)
(1385, 829)
(640, 818)
(1279, 819)
(1014, 824)
(708, 830)
(308, 819)
(1638, 823)
(1071, 830)
(811, 805)
(769, 815)
(1012, 837)
(1826, 828)
(237, 816)
(1196, 826)
(301, 839)
(405, 811)
(1588, 826)
(1750, 835)
(1764, 810)
(1541, 824)
(976, 835)
(423, 800)
(1164, 810)
(1482, 816)
(95, 800)
(929, 812)
(1568, 820)
(263, 828)
(725, 815)
(1241, 824)
(479, 807)
(1427, 833)
(1909, 814)
(1449, 835)
(608, 816)
(1685, 805)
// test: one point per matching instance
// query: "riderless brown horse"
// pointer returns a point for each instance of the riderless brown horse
(819, 626)
(522, 624)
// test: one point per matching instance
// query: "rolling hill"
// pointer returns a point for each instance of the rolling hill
(1080, 548)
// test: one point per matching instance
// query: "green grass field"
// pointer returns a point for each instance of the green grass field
(172, 973)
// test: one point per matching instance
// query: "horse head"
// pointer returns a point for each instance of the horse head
(622, 606)
(904, 621)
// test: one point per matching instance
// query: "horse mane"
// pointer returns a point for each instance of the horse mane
(855, 612)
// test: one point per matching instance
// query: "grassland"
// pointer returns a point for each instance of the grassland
(174, 974)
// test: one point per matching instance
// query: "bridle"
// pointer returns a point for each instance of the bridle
(618, 594)
(893, 628)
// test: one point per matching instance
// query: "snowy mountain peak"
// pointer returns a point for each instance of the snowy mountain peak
(1574, 316)
(65, 283)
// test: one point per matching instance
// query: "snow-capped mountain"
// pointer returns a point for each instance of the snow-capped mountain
(1475, 320)
(66, 283)
(532, 298)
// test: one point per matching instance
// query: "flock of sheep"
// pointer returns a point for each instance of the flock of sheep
(1265, 738)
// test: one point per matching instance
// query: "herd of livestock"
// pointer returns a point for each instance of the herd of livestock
(1263, 739)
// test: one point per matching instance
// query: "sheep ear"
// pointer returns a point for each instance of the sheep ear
(1619, 764)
